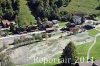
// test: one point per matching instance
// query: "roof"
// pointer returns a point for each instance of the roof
(54, 20)
(5, 22)
(8, 22)
(76, 17)
(48, 29)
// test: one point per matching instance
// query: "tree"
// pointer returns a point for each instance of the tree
(0, 14)
(94, 64)
(60, 3)
(69, 54)
(77, 64)
(9, 9)
(39, 20)
(47, 8)
(75, 29)
(12, 27)
(20, 20)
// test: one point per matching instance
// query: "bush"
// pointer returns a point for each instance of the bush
(44, 35)
(38, 37)
(49, 35)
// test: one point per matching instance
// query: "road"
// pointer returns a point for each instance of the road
(12, 36)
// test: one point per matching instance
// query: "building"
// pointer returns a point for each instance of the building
(78, 18)
(6, 23)
(50, 29)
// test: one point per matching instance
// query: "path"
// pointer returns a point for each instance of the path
(6, 49)
(88, 53)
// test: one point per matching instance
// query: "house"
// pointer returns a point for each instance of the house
(78, 18)
(6, 23)
(90, 17)
(50, 29)
(45, 25)
(89, 22)
(71, 25)
(31, 28)
(54, 21)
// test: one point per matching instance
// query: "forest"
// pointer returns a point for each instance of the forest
(9, 9)
(52, 9)
(48, 8)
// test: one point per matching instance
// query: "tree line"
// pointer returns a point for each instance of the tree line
(47, 8)
(9, 9)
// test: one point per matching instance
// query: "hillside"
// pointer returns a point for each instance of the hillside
(85, 6)
(25, 13)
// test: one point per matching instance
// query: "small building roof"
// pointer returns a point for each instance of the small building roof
(54, 20)
(48, 29)
(8, 22)
(5, 22)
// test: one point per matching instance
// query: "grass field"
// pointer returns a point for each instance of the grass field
(62, 23)
(25, 12)
(98, 18)
(82, 52)
(93, 32)
(85, 6)
(95, 52)
(82, 49)
(41, 64)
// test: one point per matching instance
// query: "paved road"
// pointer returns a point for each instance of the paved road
(12, 36)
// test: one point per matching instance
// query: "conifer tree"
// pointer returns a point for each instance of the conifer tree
(69, 54)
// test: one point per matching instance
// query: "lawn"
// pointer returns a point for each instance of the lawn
(41, 64)
(62, 23)
(95, 52)
(84, 6)
(98, 18)
(82, 49)
(93, 32)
